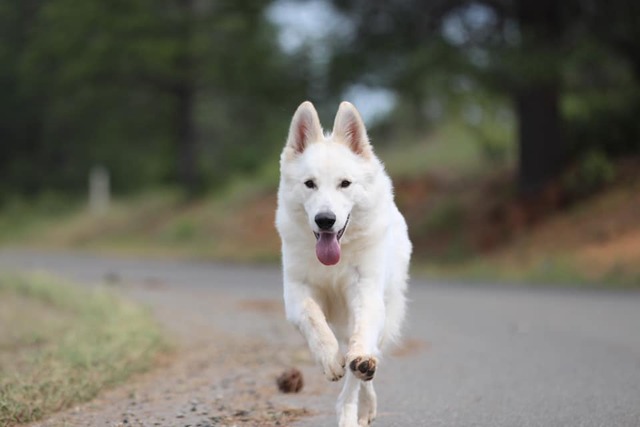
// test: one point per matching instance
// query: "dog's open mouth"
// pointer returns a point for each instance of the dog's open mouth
(328, 245)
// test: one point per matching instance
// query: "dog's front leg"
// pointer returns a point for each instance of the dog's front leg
(368, 318)
(304, 312)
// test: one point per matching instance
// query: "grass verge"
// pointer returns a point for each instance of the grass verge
(550, 270)
(61, 345)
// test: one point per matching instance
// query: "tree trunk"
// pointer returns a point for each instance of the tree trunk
(542, 147)
(187, 160)
(542, 151)
(185, 96)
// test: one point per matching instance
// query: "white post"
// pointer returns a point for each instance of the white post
(99, 190)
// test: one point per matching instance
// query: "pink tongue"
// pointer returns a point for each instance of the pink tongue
(328, 248)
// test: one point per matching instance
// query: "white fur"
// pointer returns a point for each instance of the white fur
(359, 303)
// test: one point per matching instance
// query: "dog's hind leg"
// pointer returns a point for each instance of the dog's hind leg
(367, 403)
(347, 405)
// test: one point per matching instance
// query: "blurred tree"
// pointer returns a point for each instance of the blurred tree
(157, 91)
(617, 23)
(603, 78)
(517, 48)
(537, 93)
(19, 112)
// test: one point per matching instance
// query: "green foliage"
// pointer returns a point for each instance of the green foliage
(133, 85)
(582, 55)
(457, 250)
(195, 93)
(444, 216)
(593, 170)
(181, 231)
(602, 101)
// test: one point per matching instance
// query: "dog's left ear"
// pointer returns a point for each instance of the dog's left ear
(349, 128)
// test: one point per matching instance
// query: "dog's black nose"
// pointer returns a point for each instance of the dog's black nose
(325, 220)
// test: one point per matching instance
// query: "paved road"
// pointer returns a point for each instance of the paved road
(475, 355)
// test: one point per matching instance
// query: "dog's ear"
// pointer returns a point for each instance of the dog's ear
(349, 128)
(305, 128)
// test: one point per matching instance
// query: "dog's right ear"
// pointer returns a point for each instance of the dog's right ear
(349, 128)
(305, 128)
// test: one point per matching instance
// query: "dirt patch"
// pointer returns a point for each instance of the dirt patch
(615, 256)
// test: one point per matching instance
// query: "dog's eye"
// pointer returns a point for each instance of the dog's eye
(310, 184)
(345, 183)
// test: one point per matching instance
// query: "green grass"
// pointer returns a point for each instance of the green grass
(23, 217)
(448, 215)
(553, 270)
(61, 345)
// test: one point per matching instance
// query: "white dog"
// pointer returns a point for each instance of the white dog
(345, 252)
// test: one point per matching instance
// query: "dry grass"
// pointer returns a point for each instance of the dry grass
(61, 345)
(238, 225)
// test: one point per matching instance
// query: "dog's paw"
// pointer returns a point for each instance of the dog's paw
(366, 415)
(363, 367)
(366, 420)
(333, 366)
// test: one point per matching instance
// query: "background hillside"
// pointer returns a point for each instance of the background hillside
(509, 126)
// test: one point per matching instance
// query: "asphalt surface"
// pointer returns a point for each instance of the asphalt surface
(475, 355)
